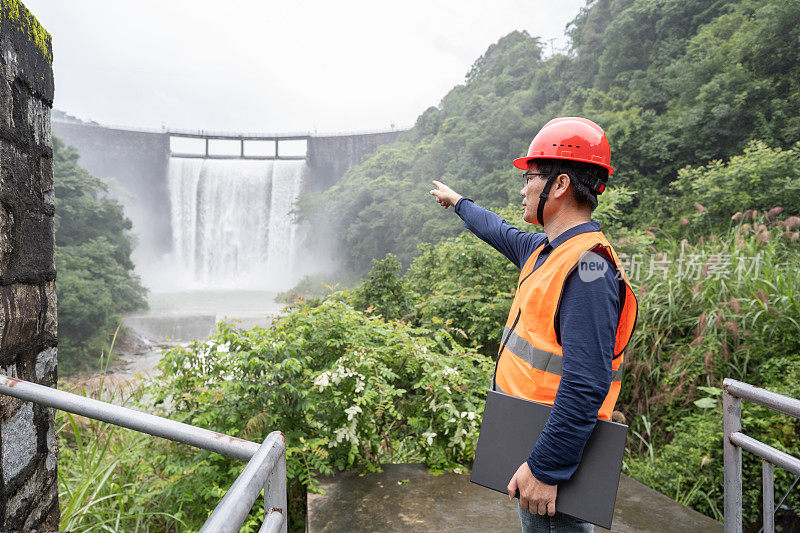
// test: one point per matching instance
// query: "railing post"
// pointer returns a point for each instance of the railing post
(732, 455)
(234, 507)
(275, 490)
(768, 488)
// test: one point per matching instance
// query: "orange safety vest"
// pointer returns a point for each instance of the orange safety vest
(530, 355)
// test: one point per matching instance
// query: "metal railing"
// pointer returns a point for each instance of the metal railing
(735, 441)
(206, 154)
(182, 132)
(266, 464)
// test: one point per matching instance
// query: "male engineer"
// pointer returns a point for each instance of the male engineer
(573, 312)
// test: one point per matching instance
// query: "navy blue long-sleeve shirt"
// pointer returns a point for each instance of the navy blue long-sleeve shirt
(588, 319)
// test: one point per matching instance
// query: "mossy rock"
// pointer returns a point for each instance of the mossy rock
(21, 33)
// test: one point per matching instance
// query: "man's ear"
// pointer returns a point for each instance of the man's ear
(560, 185)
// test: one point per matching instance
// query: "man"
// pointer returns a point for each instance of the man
(573, 312)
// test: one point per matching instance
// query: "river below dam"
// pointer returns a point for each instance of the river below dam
(180, 317)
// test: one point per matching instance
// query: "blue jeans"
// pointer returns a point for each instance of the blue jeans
(558, 523)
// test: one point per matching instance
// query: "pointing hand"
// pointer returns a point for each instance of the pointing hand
(445, 196)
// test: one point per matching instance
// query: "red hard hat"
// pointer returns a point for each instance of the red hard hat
(573, 138)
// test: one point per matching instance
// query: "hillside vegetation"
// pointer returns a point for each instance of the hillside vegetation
(673, 83)
(96, 284)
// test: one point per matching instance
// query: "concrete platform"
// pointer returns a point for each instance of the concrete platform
(407, 498)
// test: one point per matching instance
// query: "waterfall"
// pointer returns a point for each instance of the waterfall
(231, 225)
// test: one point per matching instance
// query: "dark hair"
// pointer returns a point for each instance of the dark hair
(580, 175)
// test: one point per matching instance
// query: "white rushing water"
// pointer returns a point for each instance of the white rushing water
(231, 222)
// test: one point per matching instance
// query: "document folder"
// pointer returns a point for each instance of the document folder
(509, 430)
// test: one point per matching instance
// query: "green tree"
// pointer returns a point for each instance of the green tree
(95, 283)
(383, 291)
(464, 286)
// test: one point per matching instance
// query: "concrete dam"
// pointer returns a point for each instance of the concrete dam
(216, 205)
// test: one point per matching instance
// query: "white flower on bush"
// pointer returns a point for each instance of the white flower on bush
(447, 389)
(449, 371)
(224, 348)
(469, 414)
(359, 385)
(360, 355)
(342, 372)
(323, 380)
(352, 411)
(429, 436)
(346, 432)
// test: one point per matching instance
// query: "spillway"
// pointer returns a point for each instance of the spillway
(231, 221)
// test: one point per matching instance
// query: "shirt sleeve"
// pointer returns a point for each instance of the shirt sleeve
(513, 243)
(589, 316)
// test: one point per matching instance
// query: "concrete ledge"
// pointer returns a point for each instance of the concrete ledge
(407, 498)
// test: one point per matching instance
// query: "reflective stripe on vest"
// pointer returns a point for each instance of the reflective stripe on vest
(540, 359)
(530, 359)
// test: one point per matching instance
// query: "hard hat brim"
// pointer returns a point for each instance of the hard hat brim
(522, 162)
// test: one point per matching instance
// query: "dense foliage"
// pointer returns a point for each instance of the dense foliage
(673, 83)
(759, 179)
(382, 291)
(725, 306)
(348, 390)
(96, 283)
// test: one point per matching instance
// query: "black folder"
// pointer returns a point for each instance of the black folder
(509, 430)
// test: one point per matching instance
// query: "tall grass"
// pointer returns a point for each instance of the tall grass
(107, 480)
(723, 306)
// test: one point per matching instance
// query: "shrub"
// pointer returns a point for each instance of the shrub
(383, 291)
(348, 390)
(760, 178)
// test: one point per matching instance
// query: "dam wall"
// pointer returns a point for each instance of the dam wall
(136, 162)
(329, 157)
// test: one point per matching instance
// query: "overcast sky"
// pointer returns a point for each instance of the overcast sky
(269, 66)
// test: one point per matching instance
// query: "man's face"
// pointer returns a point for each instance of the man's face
(530, 194)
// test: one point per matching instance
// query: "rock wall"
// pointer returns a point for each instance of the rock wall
(28, 454)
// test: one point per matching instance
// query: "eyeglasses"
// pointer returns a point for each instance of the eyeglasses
(528, 176)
